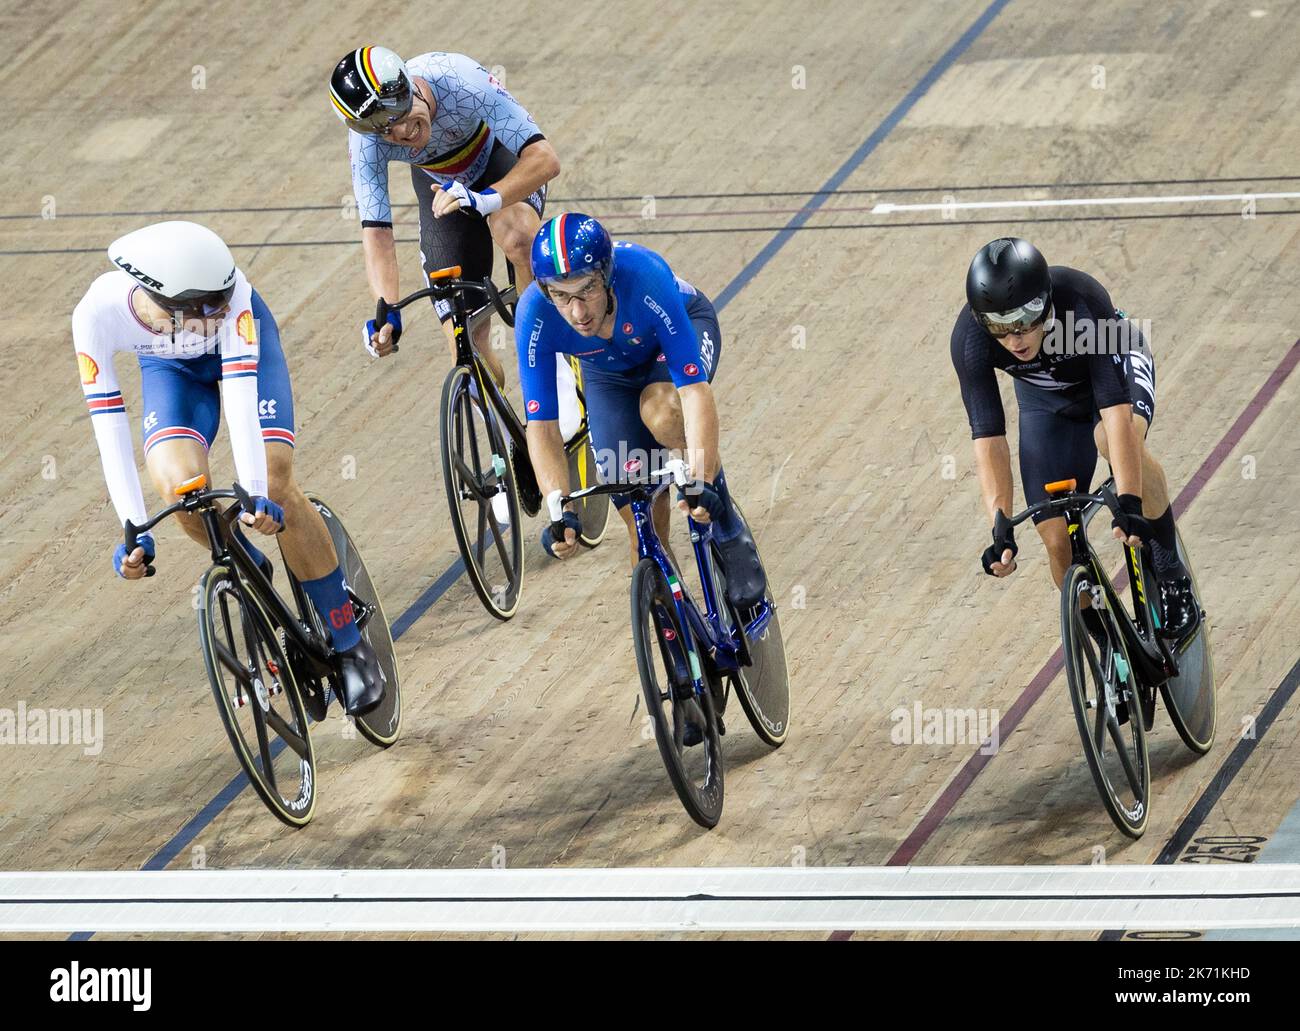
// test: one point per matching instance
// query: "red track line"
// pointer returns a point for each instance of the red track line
(956, 788)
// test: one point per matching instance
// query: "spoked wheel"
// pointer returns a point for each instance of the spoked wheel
(1103, 687)
(257, 697)
(382, 724)
(1190, 697)
(482, 495)
(593, 511)
(763, 685)
(664, 660)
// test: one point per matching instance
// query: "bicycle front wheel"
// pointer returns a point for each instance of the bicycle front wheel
(1103, 690)
(257, 697)
(668, 669)
(482, 495)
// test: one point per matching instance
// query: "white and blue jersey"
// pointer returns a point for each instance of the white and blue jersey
(473, 112)
(185, 379)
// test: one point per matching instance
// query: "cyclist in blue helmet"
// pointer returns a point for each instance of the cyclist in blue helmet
(649, 345)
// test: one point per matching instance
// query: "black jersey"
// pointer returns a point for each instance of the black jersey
(1079, 373)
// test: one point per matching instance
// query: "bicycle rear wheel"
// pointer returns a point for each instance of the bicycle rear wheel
(763, 686)
(382, 724)
(477, 471)
(1190, 697)
(667, 666)
(1102, 683)
(593, 511)
(257, 697)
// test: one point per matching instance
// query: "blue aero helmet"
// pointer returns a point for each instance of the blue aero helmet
(570, 245)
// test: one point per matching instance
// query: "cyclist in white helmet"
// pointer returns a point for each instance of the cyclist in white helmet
(205, 340)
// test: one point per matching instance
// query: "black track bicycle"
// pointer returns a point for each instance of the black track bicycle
(1113, 678)
(485, 465)
(691, 655)
(271, 666)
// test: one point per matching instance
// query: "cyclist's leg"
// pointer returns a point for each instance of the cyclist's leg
(623, 446)
(305, 542)
(514, 228)
(456, 239)
(181, 412)
(1141, 373)
(1055, 444)
(661, 406)
(1156, 504)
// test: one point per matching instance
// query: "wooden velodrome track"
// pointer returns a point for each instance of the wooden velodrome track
(850, 453)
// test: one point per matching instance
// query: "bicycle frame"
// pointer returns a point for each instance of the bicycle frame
(229, 552)
(463, 321)
(706, 626)
(1147, 650)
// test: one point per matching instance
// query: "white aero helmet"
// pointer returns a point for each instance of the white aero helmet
(183, 266)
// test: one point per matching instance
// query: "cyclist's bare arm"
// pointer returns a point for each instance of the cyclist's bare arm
(381, 272)
(538, 164)
(551, 466)
(993, 467)
(1125, 448)
(700, 413)
(546, 449)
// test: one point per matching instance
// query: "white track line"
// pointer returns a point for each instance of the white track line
(704, 899)
(886, 208)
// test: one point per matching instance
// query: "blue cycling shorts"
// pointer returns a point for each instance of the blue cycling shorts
(625, 448)
(182, 399)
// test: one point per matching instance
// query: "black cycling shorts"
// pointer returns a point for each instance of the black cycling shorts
(463, 238)
(1056, 441)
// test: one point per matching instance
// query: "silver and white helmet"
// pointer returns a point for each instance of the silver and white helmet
(183, 266)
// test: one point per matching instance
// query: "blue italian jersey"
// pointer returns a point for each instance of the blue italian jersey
(650, 324)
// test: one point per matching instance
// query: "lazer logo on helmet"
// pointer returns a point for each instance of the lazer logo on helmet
(148, 281)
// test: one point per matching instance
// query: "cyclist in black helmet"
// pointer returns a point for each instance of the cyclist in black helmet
(1085, 383)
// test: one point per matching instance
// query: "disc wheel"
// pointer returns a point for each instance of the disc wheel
(593, 511)
(383, 724)
(763, 683)
(1190, 697)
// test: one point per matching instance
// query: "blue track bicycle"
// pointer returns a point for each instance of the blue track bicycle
(691, 653)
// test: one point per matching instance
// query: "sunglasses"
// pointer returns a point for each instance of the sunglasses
(587, 294)
(1020, 320)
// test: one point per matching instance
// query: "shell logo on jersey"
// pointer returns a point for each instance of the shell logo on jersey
(691, 369)
(87, 367)
(246, 327)
(533, 407)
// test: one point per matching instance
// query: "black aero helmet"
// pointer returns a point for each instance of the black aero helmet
(1008, 286)
(371, 89)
